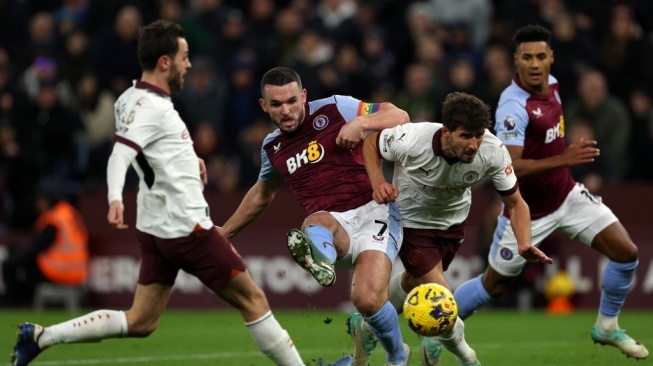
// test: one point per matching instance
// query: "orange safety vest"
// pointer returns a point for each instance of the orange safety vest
(66, 261)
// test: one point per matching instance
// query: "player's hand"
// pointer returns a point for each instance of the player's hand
(385, 192)
(115, 215)
(581, 152)
(534, 255)
(203, 175)
(350, 135)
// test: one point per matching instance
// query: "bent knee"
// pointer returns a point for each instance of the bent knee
(496, 288)
(321, 218)
(256, 300)
(368, 305)
(630, 254)
(623, 252)
(254, 305)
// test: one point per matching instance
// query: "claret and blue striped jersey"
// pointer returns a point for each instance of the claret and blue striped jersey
(322, 175)
(536, 123)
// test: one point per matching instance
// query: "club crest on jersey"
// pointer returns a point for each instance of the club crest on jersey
(320, 122)
(312, 154)
(509, 123)
(470, 177)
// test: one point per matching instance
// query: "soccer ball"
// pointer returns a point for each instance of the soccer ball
(430, 310)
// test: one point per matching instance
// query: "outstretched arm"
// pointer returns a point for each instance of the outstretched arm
(520, 220)
(383, 191)
(256, 200)
(387, 116)
(119, 161)
(581, 152)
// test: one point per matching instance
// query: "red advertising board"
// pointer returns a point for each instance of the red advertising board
(115, 262)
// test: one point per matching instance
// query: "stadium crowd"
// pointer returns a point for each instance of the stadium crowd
(64, 62)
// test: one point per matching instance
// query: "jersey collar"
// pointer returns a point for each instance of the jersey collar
(155, 89)
(437, 148)
(533, 95)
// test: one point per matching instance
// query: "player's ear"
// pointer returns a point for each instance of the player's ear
(164, 63)
(264, 107)
(304, 94)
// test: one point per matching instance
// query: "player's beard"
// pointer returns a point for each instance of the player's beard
(468, 156)
(299, 120)
(175, 80)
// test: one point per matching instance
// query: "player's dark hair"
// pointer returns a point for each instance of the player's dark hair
(531, 33)
(466, 111)
(280, 76)
(157, 39)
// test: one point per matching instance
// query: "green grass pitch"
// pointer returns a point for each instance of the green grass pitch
(185, 337)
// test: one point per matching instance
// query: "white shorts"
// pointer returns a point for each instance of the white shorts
(371, 227)
(580, 217)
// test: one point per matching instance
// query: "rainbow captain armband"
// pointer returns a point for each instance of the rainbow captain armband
(367, 108)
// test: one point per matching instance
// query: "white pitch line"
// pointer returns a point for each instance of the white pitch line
(206, 356)
(110, 361)
(236, 355)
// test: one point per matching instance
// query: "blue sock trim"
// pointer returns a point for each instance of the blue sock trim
(470, 296)
(385, 326)
(323, 240)
(616, 281)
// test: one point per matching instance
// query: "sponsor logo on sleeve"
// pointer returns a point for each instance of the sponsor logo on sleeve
(509, 123)
(508, 169)
(387, 141)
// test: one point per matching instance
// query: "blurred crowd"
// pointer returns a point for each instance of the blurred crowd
(64, 62)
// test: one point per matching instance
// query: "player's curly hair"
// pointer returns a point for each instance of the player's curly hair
(280, 76)
(157, 39)
(466, 111)
(531, 33)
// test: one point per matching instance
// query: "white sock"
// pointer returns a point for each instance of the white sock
(606, 324)
(454, 342)
(274, 341)
(396, 294)
(93, 327)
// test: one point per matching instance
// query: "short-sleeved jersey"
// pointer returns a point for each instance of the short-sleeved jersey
(536, 123)
(434, 191)
(322, 175)
(170, 200)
